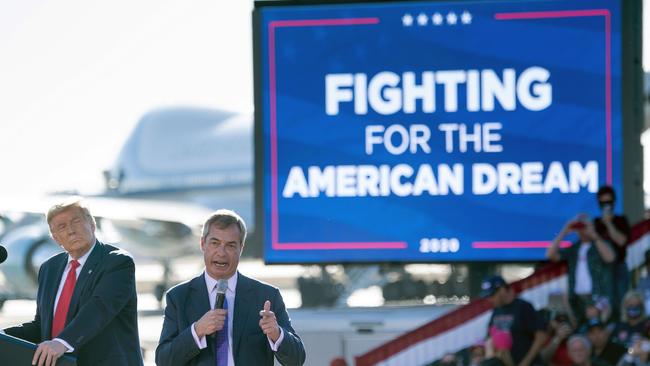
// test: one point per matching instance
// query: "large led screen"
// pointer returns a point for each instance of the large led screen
(433, 131)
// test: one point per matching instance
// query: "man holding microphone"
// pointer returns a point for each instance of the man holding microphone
(223, 317)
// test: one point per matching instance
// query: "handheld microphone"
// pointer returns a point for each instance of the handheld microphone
(222, 286)
(3, 254)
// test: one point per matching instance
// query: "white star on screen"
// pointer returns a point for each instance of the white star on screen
(422, 19)
(452, 18)
(466, 17)
(407, 20)
(436, 19)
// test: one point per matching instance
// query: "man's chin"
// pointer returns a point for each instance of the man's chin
(220, 272)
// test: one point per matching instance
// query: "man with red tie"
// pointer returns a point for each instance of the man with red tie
(86, 301)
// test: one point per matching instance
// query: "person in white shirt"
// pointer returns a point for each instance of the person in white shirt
(589, 264)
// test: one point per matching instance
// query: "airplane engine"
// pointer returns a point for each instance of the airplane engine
(28, 247)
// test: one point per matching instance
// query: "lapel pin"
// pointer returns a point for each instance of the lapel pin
(90, 271)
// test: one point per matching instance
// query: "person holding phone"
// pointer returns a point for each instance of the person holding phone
(615, 229)
(589, 260)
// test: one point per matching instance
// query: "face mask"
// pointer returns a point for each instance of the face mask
(607, 209)
(633, 312)
(606, 203)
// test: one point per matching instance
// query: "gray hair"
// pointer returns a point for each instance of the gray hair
(224, 218)
(582, 339)
(66, 204)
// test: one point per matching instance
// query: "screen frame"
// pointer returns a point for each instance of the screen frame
(632, 115)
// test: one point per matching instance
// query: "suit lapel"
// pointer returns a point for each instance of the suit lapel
(93, 260)
(243, 304)
(197, 304)
(198, 299)
(54, 272)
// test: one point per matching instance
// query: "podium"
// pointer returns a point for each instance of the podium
(16, 351)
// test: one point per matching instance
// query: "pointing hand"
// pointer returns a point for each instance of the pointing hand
(268, 323)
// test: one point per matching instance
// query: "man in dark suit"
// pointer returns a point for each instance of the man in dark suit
(86, 301)
(253, 326)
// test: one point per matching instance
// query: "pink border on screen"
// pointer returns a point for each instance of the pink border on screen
(275, 242)
(371, 21)
(516, 244)
(608, 105)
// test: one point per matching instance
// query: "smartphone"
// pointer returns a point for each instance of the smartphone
(578, 225)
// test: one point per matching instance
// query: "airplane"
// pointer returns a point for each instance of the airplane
(178, 165)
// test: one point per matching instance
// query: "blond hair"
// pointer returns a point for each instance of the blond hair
(66, 204)
(630, 295)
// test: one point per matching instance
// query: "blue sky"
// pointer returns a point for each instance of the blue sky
(75, 76)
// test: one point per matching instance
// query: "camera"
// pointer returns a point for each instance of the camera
(561, 318)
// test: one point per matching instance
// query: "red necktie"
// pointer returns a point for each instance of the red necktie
(62, 306)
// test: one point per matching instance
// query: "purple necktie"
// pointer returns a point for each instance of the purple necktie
(221, 344)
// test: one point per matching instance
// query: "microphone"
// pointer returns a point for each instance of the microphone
(3, 254)
(222, 286)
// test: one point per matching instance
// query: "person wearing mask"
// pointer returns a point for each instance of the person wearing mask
(514, 323)
(633, 319)
(616, 230)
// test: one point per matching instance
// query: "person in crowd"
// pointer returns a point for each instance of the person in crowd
(476, 354)
(555, 352)
(450, 359)
(597, 310)
(580, 352)
(251, 326)
(514, 323)
(495, 356)
(643, 286)
(637, 354)
(616, 230)
(589, 264)
(634, 322)
(602, 347)
(86, 303)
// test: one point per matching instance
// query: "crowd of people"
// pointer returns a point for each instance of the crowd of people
(600, 320)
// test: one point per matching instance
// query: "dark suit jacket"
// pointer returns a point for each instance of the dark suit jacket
(188, 301)
(102, 322)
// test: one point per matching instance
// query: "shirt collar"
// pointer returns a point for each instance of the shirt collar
(83, 258)
(211, 282)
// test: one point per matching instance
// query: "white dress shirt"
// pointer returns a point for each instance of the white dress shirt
(81, 261)
(584, 282)
(211, 287)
